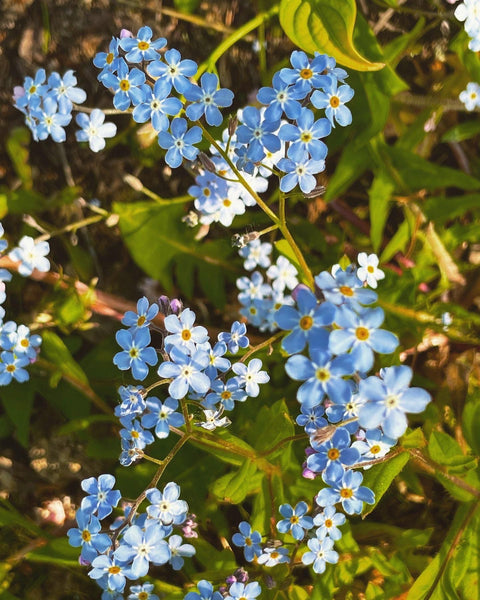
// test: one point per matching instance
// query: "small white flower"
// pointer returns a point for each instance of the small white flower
(470, 96)
(369, 270)
(31, 256)
(94, 130)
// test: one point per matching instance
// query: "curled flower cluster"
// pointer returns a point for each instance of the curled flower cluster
(134, 542)
(18, 347)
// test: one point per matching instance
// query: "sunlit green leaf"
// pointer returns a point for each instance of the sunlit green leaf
(380, 477)
(325, 26)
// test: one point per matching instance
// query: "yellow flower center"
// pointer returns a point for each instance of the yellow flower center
(124, 85)
(114, 570)
(370, 269)
(322, 374)
(306, 73)
(346, 493)
(86, 535)
(306, 136)
(334, 101)
(141, 320)
(24, 343)
(328, 522)
(294, 520)
(306, 322)
(225, 395)
(362, 333)
(227, 202)
(109, 58)
(333, 454)
(346, 290)
(375, 449)
(143, 45)
(186, 335)
(10, 368)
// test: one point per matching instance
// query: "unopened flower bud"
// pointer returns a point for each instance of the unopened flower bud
(317, 191)
(232, 126)
(190, 219)
(207, 162)
(133, 182)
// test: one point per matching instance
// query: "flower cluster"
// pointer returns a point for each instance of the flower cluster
(282, 137)
(48, 104)
(194, 369)
(468, 12)
(18, 347)
(135, 541)
(260, 296)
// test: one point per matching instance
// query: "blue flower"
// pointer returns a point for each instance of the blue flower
(166, 507)
(332, 454)
(320, 553)
(126, 85)
(142, 547)
(178, 551)
(256, 253)
(156, 105)
(248, 540)
(205, 589)
(241, 591)
(225, 393)
(145, 314)
(101, 499)
(50, 121)
(137, 353)
(360, 335)
(305, 324)
(305, 136)
(107, 61)
(300, 171)
(374, 445)
(347, 490)
(179, 143)
(94, 130)
(388, 398)
(142, 48)
(133, 401)
(174, 70)
(186, 372)
(112, 570)
(328, 522)
(322, 375)
(185, 335)
(63, 91)
(250, 376)
(344, 288)
(281, 98)
(295, 520)
(217, 362)
(206, 99)
(311, 418)
(142, 592)
(257, 133)
(11, 367)
(162, 416)
(133, 432)
(236, 338)
(306, 74)
(333, 101)
(33, 91)
(88, 536)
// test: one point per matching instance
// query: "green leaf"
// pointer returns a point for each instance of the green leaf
(430, 583)
(17, 400)
(186, 6)
(17, 148)
(461, 132)
(380, 477)
(379, 196)
(444, 450)
(354, 161)
(397, 243)
(471, 422)
(325, 26)
(58, 552)
(284, 248)
(441, 208)
(157, 239)
(272, 424)
(55, 351)
(235, 487)
(10, 517)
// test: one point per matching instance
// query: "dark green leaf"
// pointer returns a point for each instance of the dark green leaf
(461, 132)
(380, 477)
(234, 487)
(379, 195)
(186, 6)
(17, 400)
(471, 422)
